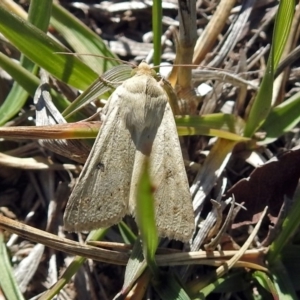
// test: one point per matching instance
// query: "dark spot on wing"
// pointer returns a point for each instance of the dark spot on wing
(176, 210)
(168, 174)
(100, 166)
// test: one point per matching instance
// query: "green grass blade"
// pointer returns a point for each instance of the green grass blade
(233, 282)
(222, 125)
(29, 82)
(168, 287)
(14, 101)
(39, 15)
(265, 281)
(82, 40)
(290, 259)
(282, 118)
(282, 282)
(282, 27)
(262, 103)
(41, 49)
(128, 236)
(145, 217)
(157, 30)
(290, 225)
(7, 280)
(136, 266)
(72, 268)
(19, 93)
(70, 271)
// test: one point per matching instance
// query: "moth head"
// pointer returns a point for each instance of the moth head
(142, 69)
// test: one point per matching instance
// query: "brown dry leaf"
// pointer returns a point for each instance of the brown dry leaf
(266, 186)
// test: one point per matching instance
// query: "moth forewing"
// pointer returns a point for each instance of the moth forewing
(172, 192)
(173, 205)
(100, 197)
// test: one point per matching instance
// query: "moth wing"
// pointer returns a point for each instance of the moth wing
(100, 197)
(174, 210)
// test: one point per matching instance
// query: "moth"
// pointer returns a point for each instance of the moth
(138, 123)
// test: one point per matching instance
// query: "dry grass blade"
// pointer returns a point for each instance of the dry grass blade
(121, 257)
(230, 263)
(212, 30)
(62, 244)
(224, 268)
(280, 81)
(59, 131)
(223, 77)
(31, 163)
(235, 32)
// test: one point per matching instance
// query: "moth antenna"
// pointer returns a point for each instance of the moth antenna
(97, 55)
